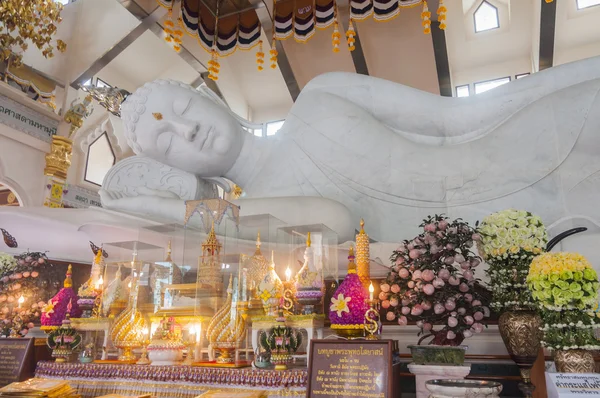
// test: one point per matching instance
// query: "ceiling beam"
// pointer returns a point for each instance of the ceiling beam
(547, 31)
(146, 23)
(358, 56)
(266, 21)
(440, 53)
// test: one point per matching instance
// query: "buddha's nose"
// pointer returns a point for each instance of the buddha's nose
(188, 129)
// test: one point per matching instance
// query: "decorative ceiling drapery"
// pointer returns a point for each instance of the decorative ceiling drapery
(223, 26)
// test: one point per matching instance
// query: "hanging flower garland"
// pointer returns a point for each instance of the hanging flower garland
(260, 56)
(273, 53)
(173, 34)
(441, 13)
(350, 36)
(335, 37)
(426, 16)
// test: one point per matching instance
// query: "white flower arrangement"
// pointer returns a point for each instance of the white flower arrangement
(7, 263)
(510, 239)
(512, 234)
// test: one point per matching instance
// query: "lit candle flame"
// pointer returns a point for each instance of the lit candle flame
(371, 290)
(288, 274)
(99, 283)
(21, 300)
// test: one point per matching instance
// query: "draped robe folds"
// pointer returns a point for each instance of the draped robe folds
(393, 154)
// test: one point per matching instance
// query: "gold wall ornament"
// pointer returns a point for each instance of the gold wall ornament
(58, 160)
(513, 326)
(77, 113)
(33, 21)
(363, 262)
(574, 361)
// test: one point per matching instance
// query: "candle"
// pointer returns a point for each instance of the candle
(21, 300)
(288, 274)
(371, 290)
(99, 283)
(192, 333)
(198, 332)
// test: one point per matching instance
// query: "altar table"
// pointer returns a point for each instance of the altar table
(93, 380)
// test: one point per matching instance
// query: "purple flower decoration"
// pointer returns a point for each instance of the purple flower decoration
(357, 306)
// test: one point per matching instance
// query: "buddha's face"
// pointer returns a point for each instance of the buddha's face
(188, 131)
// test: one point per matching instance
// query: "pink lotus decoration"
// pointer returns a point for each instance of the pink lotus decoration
(431, 282)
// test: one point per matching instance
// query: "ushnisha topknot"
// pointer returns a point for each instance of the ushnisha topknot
(135, 106)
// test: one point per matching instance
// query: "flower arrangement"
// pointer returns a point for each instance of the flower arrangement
(7, 263)
(432, 282)
(510, 239)
(565, 287)
(22, 294)
(349, 302)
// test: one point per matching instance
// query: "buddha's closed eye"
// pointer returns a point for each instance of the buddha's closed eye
(181, 105)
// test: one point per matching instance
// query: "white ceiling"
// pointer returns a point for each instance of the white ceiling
(395, 50)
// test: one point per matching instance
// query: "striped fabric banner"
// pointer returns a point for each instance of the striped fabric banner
(239, 31)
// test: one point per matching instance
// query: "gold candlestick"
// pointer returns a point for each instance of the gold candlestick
(371, 320)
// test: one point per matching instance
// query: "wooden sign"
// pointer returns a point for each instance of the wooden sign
(572, 385)
(16, 360)
(352, 368)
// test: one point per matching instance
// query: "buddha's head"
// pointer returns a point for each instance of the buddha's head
(182, 127)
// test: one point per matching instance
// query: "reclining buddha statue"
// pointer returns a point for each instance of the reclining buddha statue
(356, 146)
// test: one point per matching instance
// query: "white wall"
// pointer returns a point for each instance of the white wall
(269, 114)
(90, 29)
(492, 71)
(22, 161)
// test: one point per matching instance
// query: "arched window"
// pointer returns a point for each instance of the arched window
(100, 158)
(486, 17)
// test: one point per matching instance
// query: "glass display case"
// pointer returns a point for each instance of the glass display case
(309, 260)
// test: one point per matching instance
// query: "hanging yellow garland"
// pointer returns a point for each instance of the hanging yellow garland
(335, 37)
(214, 66)
(273, 52)
(350, 34)
(441, 12)
(426, 16)
(260, 56)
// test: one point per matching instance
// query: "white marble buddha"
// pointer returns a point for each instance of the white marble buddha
(356, 146)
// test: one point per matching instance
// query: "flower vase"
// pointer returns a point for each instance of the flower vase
(574, 361)
(463, 388)
(513, 325)
(281, 360)
(438, 355)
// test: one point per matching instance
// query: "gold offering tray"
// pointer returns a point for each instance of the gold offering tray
(214, 364)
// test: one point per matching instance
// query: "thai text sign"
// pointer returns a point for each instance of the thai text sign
(26, 120)
(355, 368)
(574, 385)
(16, 360)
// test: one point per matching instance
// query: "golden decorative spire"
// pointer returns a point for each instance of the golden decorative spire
(363, 262)
(211, 246)
(68, 281)
(308, 239)
(351, 264)
(258, 243)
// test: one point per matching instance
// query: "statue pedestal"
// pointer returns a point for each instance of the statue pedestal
(423, 373)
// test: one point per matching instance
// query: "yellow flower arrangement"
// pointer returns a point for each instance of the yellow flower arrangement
(563, 281)
(565, 286)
